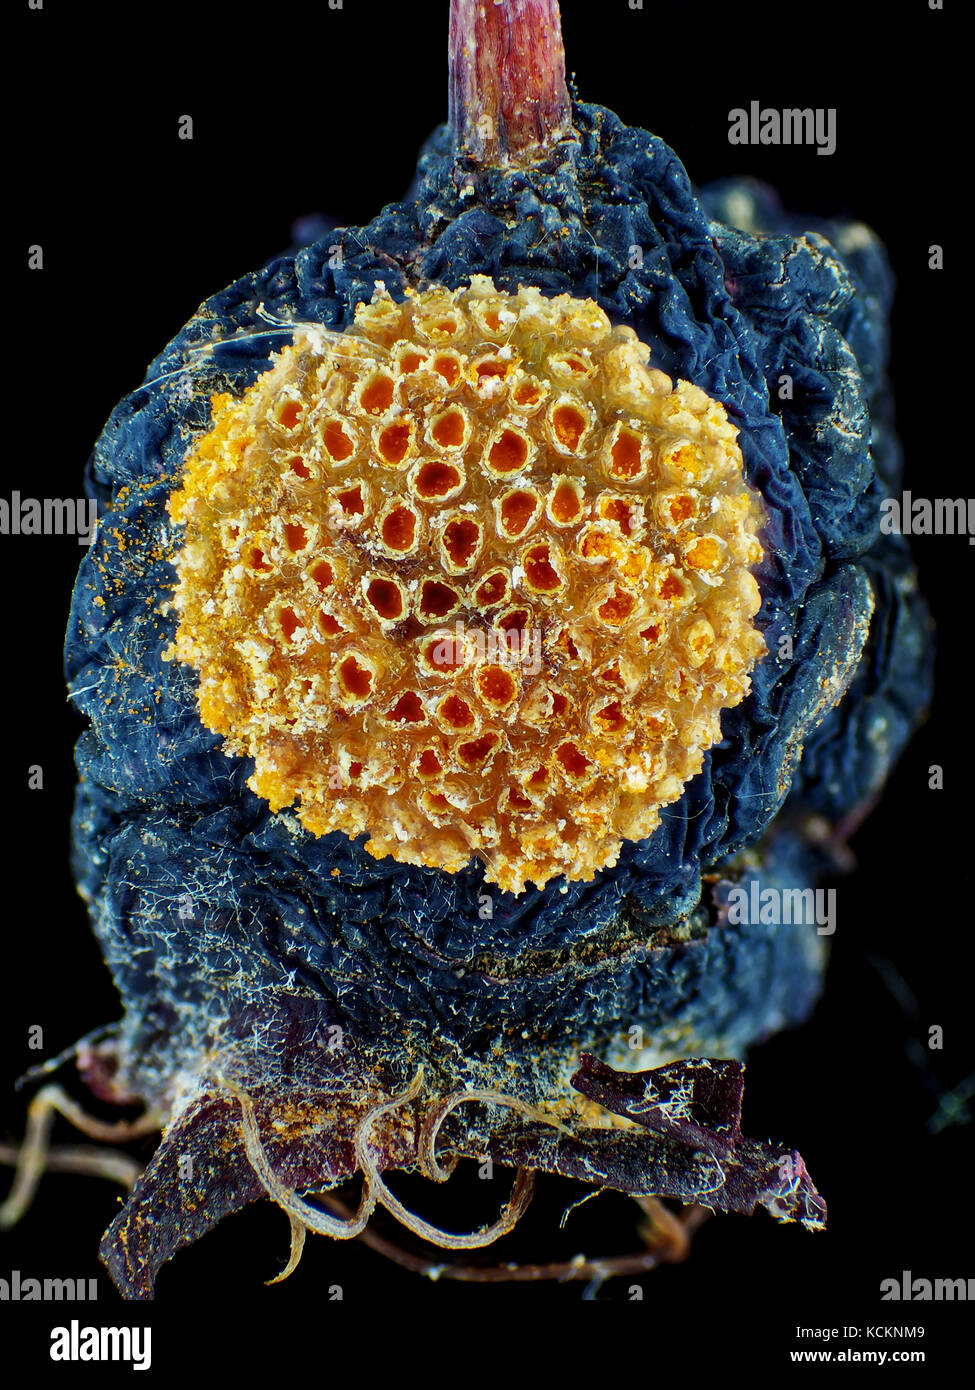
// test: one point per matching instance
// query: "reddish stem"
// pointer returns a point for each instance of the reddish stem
(507, 95)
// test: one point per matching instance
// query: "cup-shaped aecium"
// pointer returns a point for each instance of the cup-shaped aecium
(472, 577)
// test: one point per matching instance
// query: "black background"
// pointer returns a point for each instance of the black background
(297, 110)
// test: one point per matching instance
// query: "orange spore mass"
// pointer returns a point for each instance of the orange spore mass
(471, 577)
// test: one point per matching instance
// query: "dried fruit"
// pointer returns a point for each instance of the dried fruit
(291, 527)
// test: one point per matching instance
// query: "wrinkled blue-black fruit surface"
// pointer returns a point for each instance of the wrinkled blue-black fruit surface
(228, 928)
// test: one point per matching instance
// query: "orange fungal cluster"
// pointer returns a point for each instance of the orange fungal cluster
(470, 577)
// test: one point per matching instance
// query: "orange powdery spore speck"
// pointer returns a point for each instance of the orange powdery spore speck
(472, 578)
